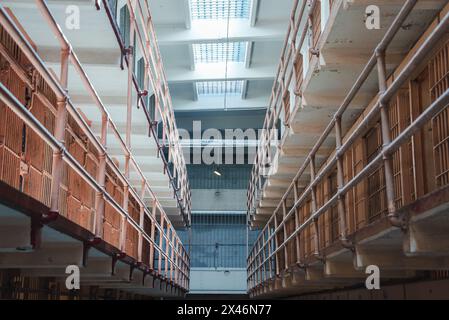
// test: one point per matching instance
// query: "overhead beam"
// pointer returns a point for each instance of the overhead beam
(245, 89)
(217, 103)
(187, 16)
(217, 72)
(200, 32)
(254, 12)
(249, 54)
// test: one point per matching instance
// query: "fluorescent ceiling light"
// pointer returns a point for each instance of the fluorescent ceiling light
(219, 88)
(219, 52)
(219, 9)
(217, 171)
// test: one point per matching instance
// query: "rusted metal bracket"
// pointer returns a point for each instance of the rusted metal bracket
(116, 258)
(36, 227)
(399, 220)
(314, 52)
(132, 267)
(86, 247)
(347, 244)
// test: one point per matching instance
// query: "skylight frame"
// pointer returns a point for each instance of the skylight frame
(219, 9)
(218, 52)
(220, 88)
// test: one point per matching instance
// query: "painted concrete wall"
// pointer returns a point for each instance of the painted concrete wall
(218, 200)
(217, 281)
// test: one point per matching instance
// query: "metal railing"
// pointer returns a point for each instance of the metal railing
(173, 260)
(156, 80)
(284, 75)
(264, 260)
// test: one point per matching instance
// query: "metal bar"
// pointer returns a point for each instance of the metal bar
(385, 129)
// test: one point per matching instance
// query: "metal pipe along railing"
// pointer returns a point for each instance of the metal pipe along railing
(386, 93)
(64, 98)
(280, 86)
(160, 87)
(89, 87)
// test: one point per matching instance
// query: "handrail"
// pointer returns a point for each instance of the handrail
(88, 84)
(388, 148)
(157, 88)
(386, 40)
(62, 95)
(280, 85)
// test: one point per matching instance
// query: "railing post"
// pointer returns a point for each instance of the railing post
(152, 236)
(167, 249)
(341, 182)
(314, 206)
(270, 265)
(297, 224)
(161, 236)
(176, 264)
(172, 254)
(123, 224)
(276, 241)
(264, 256)
(284, 213)
(130, 56)
(386, 139)
(141, 224)
(101, 179)
(310, 24)
(61, 122)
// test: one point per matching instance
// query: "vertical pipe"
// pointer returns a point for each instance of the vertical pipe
(141, 223)
(101, 179)
(386, 139)
(159, 267)
(125, 206)
(340, 181)
(297, 224)
(284, 212)
(264, 272)
(310, 25)
(129, 106)
(314, 206)
(270, 265)
(276, 241)
(152, 236)
(61, 122)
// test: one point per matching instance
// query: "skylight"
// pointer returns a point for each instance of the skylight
(217, 88)
(219, 9)
(219, 52)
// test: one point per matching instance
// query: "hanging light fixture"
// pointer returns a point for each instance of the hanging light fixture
(217, 171)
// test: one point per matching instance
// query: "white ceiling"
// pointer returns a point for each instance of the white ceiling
(265, 30)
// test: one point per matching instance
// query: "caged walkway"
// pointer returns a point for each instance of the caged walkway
(360, 174)
(91, 170)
